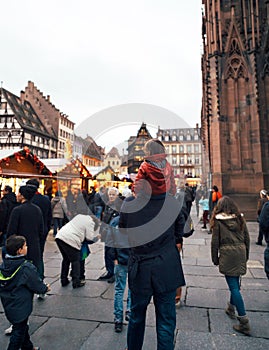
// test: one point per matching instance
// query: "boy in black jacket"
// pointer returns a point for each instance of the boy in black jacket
(19, 281)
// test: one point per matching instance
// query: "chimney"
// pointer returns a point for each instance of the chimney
(22, 96)
(30, 85)
(48, 98)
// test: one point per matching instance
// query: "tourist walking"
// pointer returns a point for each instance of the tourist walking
(264, 226)
(59, 208)
(261, 201)
(44, 204)
(204, 202)
(27, 220)
(215, 196)
(230, 251)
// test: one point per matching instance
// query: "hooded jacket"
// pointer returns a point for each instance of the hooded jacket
(230, 245)
(155, 176)
(19, 281)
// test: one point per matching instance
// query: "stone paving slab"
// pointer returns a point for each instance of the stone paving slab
(75, 306)
(201, 270)
(255, 283)
(92, 289)
(206, 282)
(104, 338)
(207, 341)
(59, 333)
(192, 319)
(206, 298)
(221, 323)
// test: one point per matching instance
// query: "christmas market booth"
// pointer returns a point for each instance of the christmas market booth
(68, 174)
(107, 177)
(17, 165)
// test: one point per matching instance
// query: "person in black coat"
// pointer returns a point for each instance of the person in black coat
(19, 281)
(27, 220)
(155, 270)
(264, 225)
(44, 204)
(8, 202)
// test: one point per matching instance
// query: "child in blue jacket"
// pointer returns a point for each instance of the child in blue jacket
(19, 281)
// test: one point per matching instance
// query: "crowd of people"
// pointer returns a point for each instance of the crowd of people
(143, 231)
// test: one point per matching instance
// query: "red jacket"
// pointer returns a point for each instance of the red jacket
(155, 176)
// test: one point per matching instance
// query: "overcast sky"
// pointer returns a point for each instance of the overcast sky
(91, 55)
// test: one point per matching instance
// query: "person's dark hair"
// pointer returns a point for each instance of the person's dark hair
(27, 192)
(226, 205)
(58, 194)
(8, 189)
(33, 182)
(154, 146)
(14, 243)
(215, 188)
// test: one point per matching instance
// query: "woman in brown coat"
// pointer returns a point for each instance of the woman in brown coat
(230, 251)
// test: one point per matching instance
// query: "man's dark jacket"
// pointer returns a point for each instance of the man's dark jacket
(8, 202)
(45, 205)
(19, 281)
(27, 220)
(264, 221)
(153, 226)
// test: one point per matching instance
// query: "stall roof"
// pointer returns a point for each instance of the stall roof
(55, 164)
(12, 163)
(59, 165)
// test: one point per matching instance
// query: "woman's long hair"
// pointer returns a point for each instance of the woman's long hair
(227, 206)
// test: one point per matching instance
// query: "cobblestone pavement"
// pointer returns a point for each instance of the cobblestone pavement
(82, 319)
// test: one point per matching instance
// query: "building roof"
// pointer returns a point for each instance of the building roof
(25, 114)
(114, 152)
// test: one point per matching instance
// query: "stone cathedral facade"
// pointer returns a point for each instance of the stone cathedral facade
(235, 106)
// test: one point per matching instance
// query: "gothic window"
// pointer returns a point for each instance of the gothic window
(235, 67)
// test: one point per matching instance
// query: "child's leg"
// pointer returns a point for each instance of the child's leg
(20, 338)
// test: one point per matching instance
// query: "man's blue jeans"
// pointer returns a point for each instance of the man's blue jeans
(120, 272)
(236, 297)
(165, 320)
